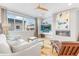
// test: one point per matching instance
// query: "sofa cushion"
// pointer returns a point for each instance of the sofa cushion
(18, 45)
(4, 47)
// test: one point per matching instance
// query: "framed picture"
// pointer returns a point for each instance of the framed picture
(62, 20)
(62, 23)
(45, 26)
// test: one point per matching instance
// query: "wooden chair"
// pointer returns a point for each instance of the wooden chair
(69, 49)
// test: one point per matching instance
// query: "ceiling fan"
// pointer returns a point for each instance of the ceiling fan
(41, 7)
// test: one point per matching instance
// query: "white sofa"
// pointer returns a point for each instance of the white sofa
(34, 50)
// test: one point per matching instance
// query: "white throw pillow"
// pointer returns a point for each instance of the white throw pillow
(18, 45)
(4, 47)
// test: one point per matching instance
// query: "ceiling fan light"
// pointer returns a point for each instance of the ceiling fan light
(41, 8)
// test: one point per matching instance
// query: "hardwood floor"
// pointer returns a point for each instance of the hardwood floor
(47, 49)
(70, 49)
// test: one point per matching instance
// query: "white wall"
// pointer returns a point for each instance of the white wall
(73, 28)
(78, 23)
(50, 21)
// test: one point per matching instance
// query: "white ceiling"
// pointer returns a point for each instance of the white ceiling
(30, 8)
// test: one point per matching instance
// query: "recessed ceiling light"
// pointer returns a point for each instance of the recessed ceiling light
(69, 4)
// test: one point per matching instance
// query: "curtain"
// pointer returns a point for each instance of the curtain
(3, 17)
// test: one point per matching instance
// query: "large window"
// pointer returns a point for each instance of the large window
(20, 26)
(29, 24)
(20, 23)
